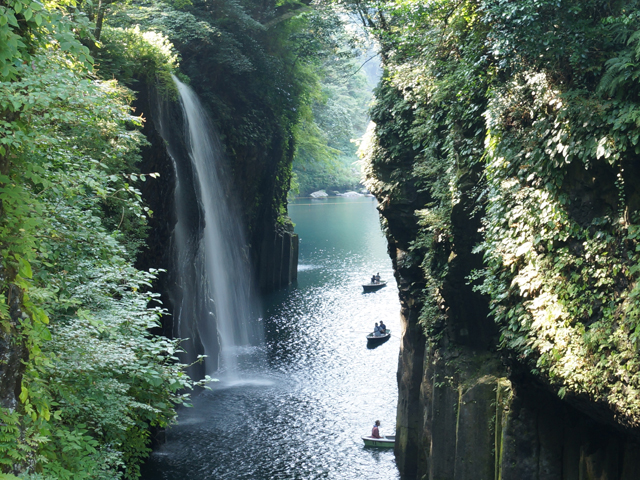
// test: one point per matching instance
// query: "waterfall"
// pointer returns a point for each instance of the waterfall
(214, 307)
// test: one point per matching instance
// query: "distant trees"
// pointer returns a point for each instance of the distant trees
(327, 143)
(326, 155)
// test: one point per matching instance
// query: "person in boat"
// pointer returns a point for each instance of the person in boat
(383, 328)
(377, 277)
(375, 432)
(376, 330)
(373, 279)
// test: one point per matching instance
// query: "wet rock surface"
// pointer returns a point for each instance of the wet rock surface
(272, 250)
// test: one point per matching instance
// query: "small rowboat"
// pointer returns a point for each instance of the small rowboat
(372, 287)
(387, 441)
(373, 340)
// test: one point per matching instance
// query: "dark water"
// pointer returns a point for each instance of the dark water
(301, 402)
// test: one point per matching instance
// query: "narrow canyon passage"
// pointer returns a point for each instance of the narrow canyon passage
(302, 400)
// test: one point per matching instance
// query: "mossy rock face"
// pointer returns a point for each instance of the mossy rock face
(544, 439)
(481, 416)
(461, 415)
(475, 430)
(477, 424)
(519, 197)
(410, 427)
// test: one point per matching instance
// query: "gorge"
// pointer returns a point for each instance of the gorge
(502, 155)
(301, 400)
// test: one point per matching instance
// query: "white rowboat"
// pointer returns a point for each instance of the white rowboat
(387, 441)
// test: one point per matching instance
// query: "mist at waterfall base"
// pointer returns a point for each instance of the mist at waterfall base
(212, 299)
(314, 387)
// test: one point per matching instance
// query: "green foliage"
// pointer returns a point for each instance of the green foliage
(559, 279)
(94, 378)
(326, 149)
(526, 113)
(25, 24)
(132, 55)
(72, 217)
(429, 134)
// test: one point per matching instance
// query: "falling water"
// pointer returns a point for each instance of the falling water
(215, 306)
(322, 387)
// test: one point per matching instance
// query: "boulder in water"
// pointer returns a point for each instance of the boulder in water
(319, 194)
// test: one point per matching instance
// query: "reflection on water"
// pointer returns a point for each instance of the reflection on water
(302, 400)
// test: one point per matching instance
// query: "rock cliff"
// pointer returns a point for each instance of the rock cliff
(273, 247)
(504, 160)
(465, 411)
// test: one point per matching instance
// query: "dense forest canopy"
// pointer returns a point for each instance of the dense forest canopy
(82, 378)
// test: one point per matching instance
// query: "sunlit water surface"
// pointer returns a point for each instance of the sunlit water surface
(301, 402)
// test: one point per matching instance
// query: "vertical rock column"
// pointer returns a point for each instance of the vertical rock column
(410, 413)
(278, 262)
(13, 350)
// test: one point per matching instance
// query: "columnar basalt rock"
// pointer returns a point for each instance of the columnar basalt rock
(13, 354)
(277, 264)
(463, 415)
(409, 421)
(467, 411)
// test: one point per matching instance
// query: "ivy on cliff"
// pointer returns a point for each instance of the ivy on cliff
(530, 109)
(560, 230)
(428, 139)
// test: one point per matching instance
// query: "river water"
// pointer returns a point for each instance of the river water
(300, 403)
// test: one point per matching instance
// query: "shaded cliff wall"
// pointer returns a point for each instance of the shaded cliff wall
(158, 193)
(479, 425)
(462, 414)
(277, 263)
(465, 409)
(244, 73)
(504, 161)
(274, 248)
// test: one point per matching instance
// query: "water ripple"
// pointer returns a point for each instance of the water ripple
(306, 396)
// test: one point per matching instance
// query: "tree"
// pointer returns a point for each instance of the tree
(68, 149)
